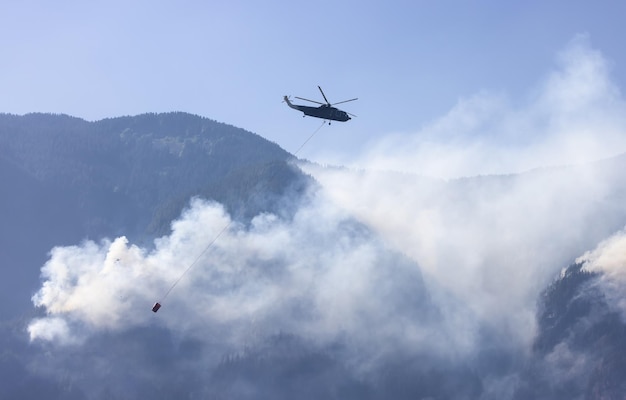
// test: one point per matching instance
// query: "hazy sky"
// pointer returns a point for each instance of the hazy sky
(409, 62)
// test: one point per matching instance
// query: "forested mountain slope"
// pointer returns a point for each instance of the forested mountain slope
(319, 287)
(65, 179)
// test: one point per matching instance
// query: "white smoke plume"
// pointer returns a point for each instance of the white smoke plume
(574, 115)
(609, 259)
(321, 275)
(496, 241)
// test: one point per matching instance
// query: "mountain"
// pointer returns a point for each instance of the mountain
(578, 352)
(301, 298)
(122, 171)
(65, 179)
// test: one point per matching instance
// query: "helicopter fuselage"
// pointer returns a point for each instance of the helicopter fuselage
(324, 111)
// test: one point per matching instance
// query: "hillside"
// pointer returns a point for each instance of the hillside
(581, 340)
(67, 179)
(121, 171)
(321, 285)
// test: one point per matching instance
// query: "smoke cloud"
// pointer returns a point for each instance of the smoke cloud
(574, 115)
(609, 259)
(495, 241)
(320, 276)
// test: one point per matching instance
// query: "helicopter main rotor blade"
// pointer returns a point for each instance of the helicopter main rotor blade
(327, 102)
(312, 101)
(345, 101)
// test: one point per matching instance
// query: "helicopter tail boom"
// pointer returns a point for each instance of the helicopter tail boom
(286, 99)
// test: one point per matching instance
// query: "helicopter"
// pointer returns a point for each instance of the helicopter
(325, 110)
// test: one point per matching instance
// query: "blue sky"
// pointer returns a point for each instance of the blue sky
(409, 62)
